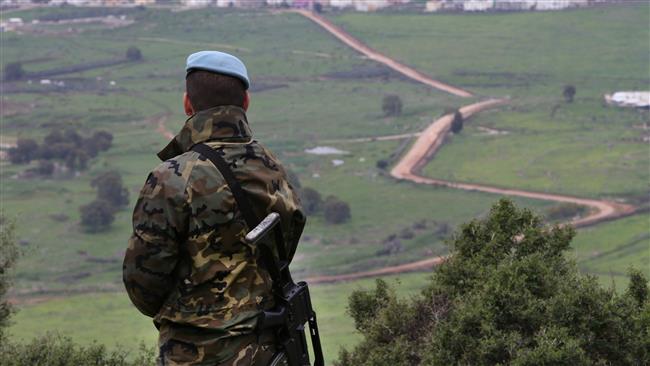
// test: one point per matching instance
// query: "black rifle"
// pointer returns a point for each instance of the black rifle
(293, 307)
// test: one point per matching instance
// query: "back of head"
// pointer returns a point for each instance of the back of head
(206, 89)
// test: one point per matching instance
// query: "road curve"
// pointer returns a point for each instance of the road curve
(378, 57)
(433, 137)
(428, 143)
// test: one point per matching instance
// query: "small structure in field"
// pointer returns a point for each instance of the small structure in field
(637, 99)
(326, 150)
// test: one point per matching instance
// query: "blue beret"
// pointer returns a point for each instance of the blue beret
(219, 62)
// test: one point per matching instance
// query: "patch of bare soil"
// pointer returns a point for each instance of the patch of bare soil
(10, 108)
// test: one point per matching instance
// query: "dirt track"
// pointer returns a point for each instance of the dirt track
(376, 56)
(428, 143)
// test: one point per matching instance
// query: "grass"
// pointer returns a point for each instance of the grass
(110, 319)
(609, 250)
(309, 109)
(552, 154)
(530, 57)
(584, 149)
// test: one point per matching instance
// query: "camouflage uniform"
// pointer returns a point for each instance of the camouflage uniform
(187, 265)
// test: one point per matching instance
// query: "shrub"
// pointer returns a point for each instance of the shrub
(54, 349)
(507, 295)
(457, 122)
(133, 54)
(382, 164)
(45, 168)
(97, 216)
(8, 257)
(110, 189)
(13, 71)
(25, 151)
(391, 105)
(569, 93)
(336, 211)
(311, 200)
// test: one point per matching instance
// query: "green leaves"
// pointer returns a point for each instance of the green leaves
(507, 295)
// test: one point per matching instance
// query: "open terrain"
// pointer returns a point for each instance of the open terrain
(310, 89)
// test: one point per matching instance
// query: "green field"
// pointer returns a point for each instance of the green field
(530, 57)
(308, 89)
(110, 318)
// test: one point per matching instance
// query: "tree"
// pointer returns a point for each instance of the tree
(13, 71)
(45, 168)
(133, 54)
(392, 105)
(336, 211)
(97, 215)
(110, 189)
(25, 151)
(569, 93)
(457, 122)
(382, 164)
(506, 295)
(54, 137)
(311, 200)
(8, 257)
(103, 140)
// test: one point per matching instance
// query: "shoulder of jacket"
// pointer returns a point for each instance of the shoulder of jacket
(177, 171)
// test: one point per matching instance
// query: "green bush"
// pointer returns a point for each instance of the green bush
(8, 257)
(507, 295)
(53, 349)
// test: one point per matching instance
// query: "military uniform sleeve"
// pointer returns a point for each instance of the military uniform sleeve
(160, 222)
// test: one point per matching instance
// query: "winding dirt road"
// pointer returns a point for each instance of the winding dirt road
(425, 147)
(428, 143)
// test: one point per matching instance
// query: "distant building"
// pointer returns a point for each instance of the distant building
(505, 5)
(478, 5)
(195, 3)
(638, 99)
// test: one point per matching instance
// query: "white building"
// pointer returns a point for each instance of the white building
(478, 5)
(638, 99)
(195, 3)
(503, 5)
(370, 5)
(341, 3)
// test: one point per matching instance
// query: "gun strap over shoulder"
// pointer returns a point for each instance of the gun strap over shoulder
(245, 207)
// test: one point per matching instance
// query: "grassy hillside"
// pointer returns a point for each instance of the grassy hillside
(309, 90)
(110, 318)
(546, 144)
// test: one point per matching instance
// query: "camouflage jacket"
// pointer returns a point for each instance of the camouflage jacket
(186, 262)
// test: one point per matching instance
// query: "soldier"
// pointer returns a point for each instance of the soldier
(187, 265)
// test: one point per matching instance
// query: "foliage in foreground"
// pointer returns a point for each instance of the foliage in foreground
(53, 349)
(507, 295)
(8, 257)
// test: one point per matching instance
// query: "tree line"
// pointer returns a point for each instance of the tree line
(68, 147)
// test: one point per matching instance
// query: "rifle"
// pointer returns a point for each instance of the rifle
(293, 307)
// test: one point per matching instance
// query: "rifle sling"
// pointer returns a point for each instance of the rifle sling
(246, 209)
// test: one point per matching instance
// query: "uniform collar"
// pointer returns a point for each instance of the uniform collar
(224, 123)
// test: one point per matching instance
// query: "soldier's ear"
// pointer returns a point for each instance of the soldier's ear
(247, 101)
(187, 105)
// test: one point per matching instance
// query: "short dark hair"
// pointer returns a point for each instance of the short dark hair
(207, 89)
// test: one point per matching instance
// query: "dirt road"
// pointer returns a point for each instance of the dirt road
(433, 137)
(376, 56)
(428, 143)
